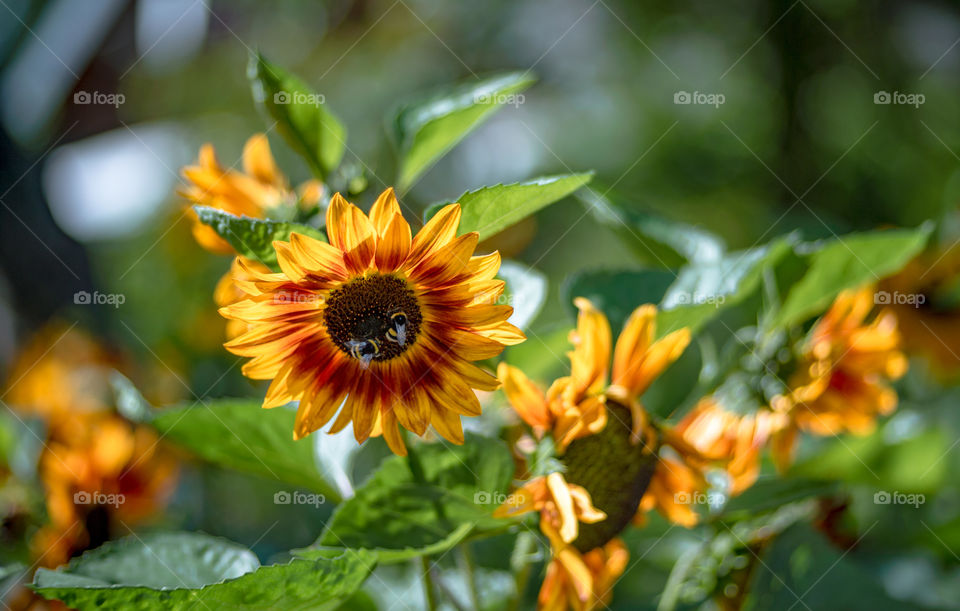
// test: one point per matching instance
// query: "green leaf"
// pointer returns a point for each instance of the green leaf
(703, 290)
(253, 238)
(656, 239)
(489, 210)
(187, 570)
(771, 494)
(849, 262)
(238, 434)
(426, 504)
(426, 129)
(526, 291)
(301, 116)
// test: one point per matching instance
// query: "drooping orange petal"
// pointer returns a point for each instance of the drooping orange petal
(525, 398)
(591, 354)
(258, 161)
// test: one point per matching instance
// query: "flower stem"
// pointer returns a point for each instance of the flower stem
(429, 593)
(465, 559)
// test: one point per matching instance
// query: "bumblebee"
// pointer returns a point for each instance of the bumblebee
(364, 350)
(397, 333)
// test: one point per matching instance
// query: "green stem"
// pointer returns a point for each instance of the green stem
(428, 590)
(465, 560)
(520, 564)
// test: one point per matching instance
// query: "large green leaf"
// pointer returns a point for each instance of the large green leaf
(849, 262)
(301, 115)
(189, 570)
(427, 503)
(253, 238)
(428, 128)
(656, 239)
(489, 210)
(702, 290)
(239, 434)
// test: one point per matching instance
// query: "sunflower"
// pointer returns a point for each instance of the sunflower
(99, 476)
(606, 443)
(381, 322)
(62, 376)
(843, 379)
(735, 440)
(925, 296)
(581, 580)
(258, 191)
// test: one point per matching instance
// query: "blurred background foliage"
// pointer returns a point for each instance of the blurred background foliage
(799, 143)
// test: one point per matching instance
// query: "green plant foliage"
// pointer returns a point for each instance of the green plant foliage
(300, 114)
(848, 262)
(238, 434)
(254, 238)
(426, 129)
(186, 570)
(490, 210)
(425, 504)
(654, 238)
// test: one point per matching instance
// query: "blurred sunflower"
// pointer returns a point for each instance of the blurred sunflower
(89, 454)
(925, 296)
(59, 371)
(843, 378)
(607, 445)
(261, 190)
(100, 476)
(734, 440)
(384, 323)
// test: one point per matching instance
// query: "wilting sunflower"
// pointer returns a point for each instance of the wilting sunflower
(606, 443)
(581, 580)
(381, 322)
(734, 440)
(259, 191)
(842, 382)
(925, 296)
(100, 476)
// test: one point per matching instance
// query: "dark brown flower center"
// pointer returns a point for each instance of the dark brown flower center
(373, 318)
(614, 471)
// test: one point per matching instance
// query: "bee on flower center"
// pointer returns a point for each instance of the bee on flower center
(373, 318)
